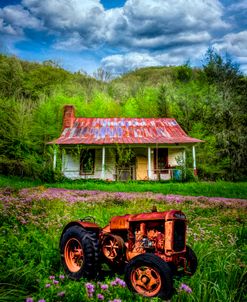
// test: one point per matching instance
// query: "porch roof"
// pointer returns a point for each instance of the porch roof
(103, 131)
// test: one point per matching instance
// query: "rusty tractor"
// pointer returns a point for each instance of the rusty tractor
(151, 247)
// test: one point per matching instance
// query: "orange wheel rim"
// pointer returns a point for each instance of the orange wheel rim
(73, 255)
(110, 248)
(146, 281)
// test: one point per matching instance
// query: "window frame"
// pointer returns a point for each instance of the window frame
(164, 170)
(82, 166)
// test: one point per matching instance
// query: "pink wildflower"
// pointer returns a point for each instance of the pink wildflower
(47, 285)
(61, 294)
(90, 289)
(104, 286)
(100, 297)
(29, 300)
(186, 288)
(113, 283)
(118, 281)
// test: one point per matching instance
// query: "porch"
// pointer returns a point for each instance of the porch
(145, 163)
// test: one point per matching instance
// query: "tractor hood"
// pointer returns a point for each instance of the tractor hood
(122, 222)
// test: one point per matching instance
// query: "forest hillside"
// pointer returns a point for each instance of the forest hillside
(209, 103)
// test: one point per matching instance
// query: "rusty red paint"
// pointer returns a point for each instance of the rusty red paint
(122, 222)
(104, 131)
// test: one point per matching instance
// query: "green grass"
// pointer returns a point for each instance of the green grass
(17, 182)
(29, 251)
(210, 189)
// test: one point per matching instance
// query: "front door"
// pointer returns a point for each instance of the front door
(141, 168)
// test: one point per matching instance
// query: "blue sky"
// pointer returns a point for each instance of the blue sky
(122, 35)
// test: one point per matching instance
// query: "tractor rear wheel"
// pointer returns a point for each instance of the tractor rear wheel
(191, 260)
(79, 253)
(149, 276)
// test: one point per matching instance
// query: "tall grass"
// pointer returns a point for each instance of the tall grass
(29, 254)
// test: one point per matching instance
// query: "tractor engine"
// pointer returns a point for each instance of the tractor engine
(148, 237)
(160, 233)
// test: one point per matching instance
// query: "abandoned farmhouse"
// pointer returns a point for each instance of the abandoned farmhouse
(122, 148)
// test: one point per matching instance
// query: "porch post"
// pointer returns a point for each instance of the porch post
(103, 163)
(194, 159)
(54, 159)
(184, 158)
(184, 163)
(63, 160)
(149, 163)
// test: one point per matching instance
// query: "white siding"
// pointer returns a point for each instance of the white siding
(71, 165)
(175, 157)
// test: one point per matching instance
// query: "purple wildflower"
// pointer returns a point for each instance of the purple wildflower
(47, 285)
(113, 283)
(72, 196)
(61, 277)
(29, 300)
(186, 288)
(104, 286)
(90, 289)
(116, 300)
(55, 282)
(61, 294)
(52, 277)
(118, 281)
(100, 297)
(41, 300)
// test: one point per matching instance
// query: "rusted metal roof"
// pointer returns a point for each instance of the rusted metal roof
(103, 131)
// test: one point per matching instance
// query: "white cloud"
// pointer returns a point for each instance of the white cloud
(234, 44)
(238, 5)
(66, 17)
(73, 42)
(121, 63)
(14, 18)
(7, 29)
(157, 23)
(146, 24)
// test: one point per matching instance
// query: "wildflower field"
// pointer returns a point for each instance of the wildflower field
(32, 220)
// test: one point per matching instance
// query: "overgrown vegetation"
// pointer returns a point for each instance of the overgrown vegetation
(209, 103)
(209, 189)
(31, 224)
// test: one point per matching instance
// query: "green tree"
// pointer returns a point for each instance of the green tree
(228, 112)
(163, 102)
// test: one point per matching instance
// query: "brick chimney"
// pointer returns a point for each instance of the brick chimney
(68, 116)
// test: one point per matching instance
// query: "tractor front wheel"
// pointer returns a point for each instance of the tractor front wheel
(79, 253)
(191, 261)
(149, 276)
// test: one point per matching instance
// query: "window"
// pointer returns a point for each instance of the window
(87, 161)
(161, 161)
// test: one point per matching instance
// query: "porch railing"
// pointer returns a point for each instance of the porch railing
(130, 173)
(172, 173)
